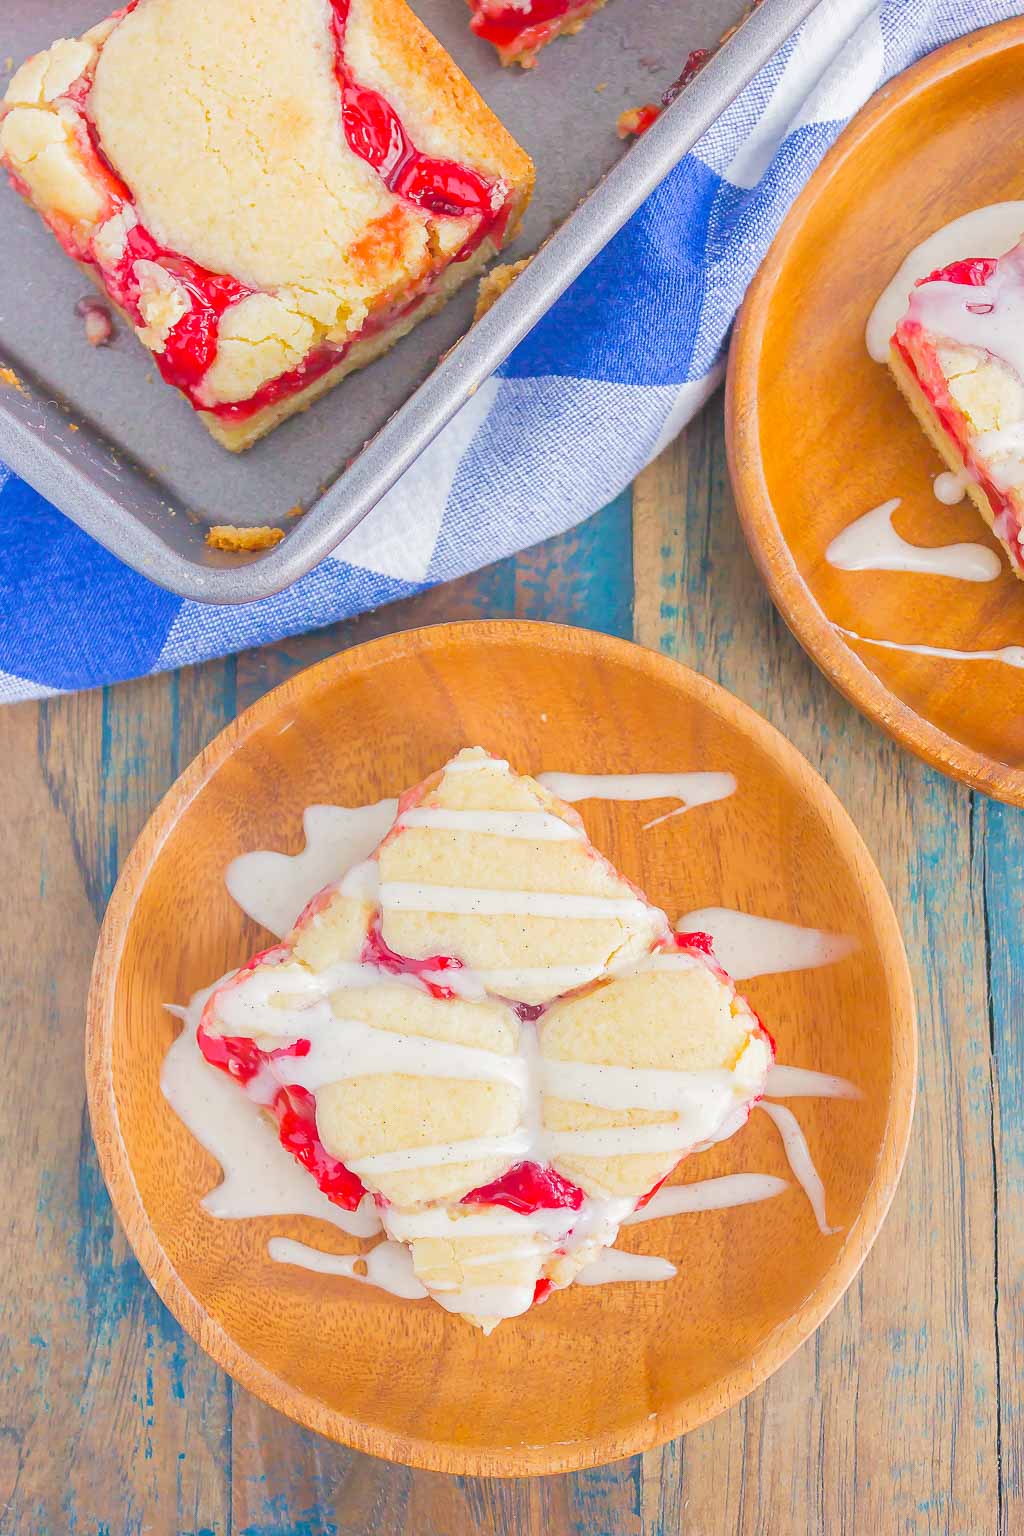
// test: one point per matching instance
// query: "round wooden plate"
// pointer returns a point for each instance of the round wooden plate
(596, 1373)
(818, 433)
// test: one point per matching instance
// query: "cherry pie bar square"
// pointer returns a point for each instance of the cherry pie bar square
(958, 357)
(272, 194)
(493, 1035)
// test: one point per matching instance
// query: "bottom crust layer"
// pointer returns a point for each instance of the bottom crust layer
(238, 435)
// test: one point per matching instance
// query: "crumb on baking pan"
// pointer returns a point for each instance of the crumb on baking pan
(99, 327)
(297, 511)
(242, 540)
(636, 120)
(494, 283)
(10, 380)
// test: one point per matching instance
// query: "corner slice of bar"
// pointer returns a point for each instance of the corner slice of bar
(519, 29)
(957, 355)
(271, 196)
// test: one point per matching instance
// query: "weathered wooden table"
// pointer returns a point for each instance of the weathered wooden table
(904, 1415)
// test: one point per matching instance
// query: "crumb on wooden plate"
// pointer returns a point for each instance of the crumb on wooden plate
(494, 283)
(242, 540)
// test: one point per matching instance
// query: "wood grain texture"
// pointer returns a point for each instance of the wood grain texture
(874, 1430)
(820, 435)
(891, 1420)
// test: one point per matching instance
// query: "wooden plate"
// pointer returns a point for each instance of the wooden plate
(818, 433)
(596, 1373)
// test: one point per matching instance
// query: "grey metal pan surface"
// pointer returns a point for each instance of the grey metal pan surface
(98, 433)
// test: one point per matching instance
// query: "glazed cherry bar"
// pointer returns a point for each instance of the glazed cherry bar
(519, 29)
(271, 204)
(958, 357)
(490, 1031)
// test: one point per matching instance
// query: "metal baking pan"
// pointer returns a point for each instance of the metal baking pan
(98, 433)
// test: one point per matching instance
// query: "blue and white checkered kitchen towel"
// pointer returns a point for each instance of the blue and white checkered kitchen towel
(595, 391)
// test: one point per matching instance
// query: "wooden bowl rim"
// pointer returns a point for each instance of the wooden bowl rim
(765, 539)
(436, 1455)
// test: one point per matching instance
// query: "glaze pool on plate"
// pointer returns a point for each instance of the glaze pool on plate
(634, 1367)
(819, 435)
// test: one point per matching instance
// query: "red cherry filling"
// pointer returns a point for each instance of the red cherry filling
(376, 952)
(529, 1012)
(695, 61)
(504, 25)
(191, 344)
(376, 134)
(240, 1057)
(295, 1109)
(645, 1199)
(700, 941)
(973, 273)
(528, 1187)
(638, 120)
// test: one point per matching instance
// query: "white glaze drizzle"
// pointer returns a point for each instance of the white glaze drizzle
(613, 1266)
(989, 231)
(800, 1083)
(387, 1267)
(651, 1088)
(747, 945)
(950, 489)
(509, 983)
(259, 1177)
(482, 1221)
(513, 1148)
(871, 543)
(493, 1302)
(529, 826)
(799, 1158)
(342, 1048)
(272, 888)
(1008, 655)
(691, 789)
(732, 1189)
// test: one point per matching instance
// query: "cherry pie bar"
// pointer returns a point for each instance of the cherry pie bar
(493, 1034)
(958, 357)
(272, 194)
(519, 29)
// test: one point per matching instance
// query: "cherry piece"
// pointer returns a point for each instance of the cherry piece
(528, 1187)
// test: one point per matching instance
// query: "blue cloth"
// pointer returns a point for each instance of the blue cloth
(598, 387)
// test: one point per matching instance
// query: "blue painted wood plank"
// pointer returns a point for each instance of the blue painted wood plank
(1000, 838)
